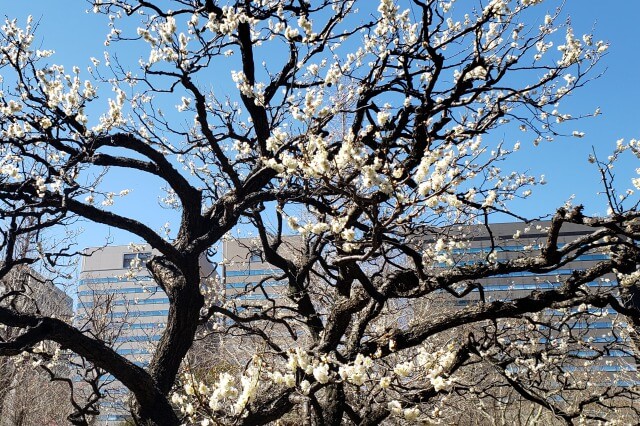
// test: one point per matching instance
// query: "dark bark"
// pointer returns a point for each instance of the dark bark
(333, 407)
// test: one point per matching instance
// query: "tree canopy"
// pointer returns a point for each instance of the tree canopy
(372, 131)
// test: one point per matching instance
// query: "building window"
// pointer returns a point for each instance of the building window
(135, 259)
(255, 256)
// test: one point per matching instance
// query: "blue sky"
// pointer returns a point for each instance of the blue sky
(76, 36)
(617, 93)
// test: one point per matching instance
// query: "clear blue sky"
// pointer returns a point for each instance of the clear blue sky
(76, 36)
(617, 93)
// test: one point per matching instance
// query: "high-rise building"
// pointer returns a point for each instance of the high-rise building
(252, 284)
(246, 273)
(250, 280)
(511, 241)
(585, 343)
(120, 301)
(117, 295)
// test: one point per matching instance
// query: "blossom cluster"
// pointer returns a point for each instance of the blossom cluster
(229, 396)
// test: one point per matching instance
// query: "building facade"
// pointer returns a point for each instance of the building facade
(245, 268)
(116, 289)
(251, 281)
(248, 278)
(593, 348)
(118, 299)
(514, 240)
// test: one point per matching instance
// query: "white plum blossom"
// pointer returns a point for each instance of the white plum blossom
(305, 387)
(368, 139)
(383, 118)
(404, 369)
(385, 382)
(321, 373)
(291, 33)
(395, 407)
(490, 198)
(411, 414)
(357, 373)
(231, 18)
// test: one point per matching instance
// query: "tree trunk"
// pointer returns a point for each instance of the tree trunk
(183, 290)
(333, 409)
